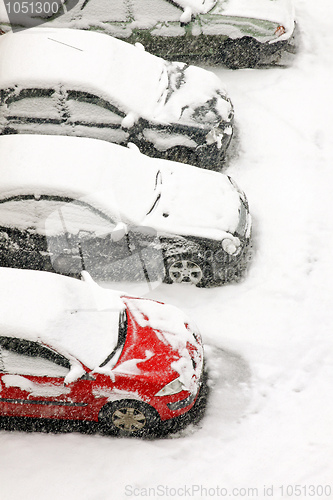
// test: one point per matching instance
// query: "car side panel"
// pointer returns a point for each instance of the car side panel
(45, 397)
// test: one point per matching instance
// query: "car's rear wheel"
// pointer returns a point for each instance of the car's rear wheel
(129, 418)
(240, 53)
(186, 269)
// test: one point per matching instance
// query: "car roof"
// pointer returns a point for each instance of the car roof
(114, 179)
(197, 6)
(120, 182)
(83, 61)
(78, 318)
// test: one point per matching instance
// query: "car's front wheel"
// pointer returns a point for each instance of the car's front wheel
(186, 269)
(129, 418)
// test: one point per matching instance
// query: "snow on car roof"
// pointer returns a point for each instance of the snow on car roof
(120, 182)
(83, 60)
(197, 6)
(78, 168)
(75, 317)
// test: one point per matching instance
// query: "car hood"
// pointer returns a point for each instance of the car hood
(161, 338)
(278, 11)
(193, 97)
(194, 202)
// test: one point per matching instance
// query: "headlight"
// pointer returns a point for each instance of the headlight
(173, 387)
(229, 246)
(215, 135)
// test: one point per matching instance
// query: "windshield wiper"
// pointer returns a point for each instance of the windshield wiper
(122, 331)
(158, 176)
(158, 180)
(154, 204)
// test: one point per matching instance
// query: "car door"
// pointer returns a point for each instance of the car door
(87, 239)
(80, 237)
(32, 383)
(21, 244)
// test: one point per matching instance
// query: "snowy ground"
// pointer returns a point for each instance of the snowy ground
(269, 340)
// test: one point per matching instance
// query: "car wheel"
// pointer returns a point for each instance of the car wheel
(186, 269)
(129, 418)
(241, 53)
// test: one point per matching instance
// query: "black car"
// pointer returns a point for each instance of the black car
(69, 203)
(237, 33)
(80, 83)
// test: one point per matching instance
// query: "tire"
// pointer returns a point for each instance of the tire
(241, 53)
(129, 418)
(186, 269)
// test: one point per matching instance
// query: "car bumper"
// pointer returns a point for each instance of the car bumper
(280, 52)
(227, 268)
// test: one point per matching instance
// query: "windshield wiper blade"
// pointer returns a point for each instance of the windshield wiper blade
(122, 331)
(158, 174)
(154, 204)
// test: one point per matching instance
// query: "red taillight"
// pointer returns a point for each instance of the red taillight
(280, 30)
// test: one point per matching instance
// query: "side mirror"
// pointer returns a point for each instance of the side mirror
(75, 373)
(129, 120)
(87, 376)
(119, 232)
(186, 16)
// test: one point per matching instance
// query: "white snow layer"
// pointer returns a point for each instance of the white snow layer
(269, 339)
(118, 181)
(63, 312)
(130, 78)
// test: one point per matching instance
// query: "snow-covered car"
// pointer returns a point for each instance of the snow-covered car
(73, 203)
(74, 82)
(72, 350)
(238, 33)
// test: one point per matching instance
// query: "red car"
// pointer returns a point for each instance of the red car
(72, 350)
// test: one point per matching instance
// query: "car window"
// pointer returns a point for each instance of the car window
(53, 216)
(23, 357)
(156, 10)
(88, 108)
(96, 9)
(32, 103)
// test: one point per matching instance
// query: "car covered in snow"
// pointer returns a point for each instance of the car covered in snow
(81, 83)
(73, 203)
(238, 33)
(71, 350)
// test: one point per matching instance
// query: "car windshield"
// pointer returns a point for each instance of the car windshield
(122, 331)
(171, 79)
